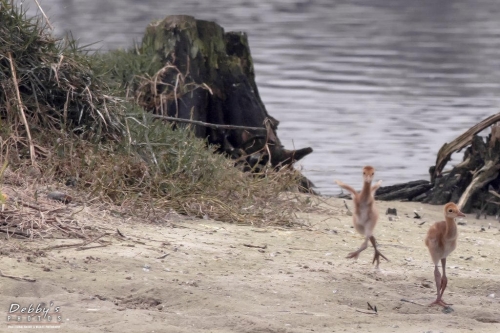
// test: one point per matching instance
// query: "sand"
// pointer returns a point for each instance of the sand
(173, 274)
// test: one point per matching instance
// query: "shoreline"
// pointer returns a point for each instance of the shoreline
(176, 274)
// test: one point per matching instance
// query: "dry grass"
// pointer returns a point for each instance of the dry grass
(64, 116)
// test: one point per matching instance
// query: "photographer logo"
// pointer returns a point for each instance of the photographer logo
(34, 316)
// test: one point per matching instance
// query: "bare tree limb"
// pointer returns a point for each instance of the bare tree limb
(481, 178)
(463, 140)
(216, 126)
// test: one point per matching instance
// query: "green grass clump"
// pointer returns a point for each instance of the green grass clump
(51, 81)
(69, 115)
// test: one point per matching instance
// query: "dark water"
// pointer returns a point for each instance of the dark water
(381, 82)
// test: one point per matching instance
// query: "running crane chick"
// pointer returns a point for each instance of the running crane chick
(365, 213)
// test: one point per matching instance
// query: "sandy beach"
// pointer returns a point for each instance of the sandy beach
(175, 274)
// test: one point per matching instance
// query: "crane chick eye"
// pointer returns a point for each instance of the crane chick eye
(450, 211)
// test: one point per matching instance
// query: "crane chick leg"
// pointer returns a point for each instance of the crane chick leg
(377, 252)
(444, 281)
(356, 253)
(439, 287)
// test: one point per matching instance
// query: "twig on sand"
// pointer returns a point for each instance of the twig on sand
(120, 233)
(370, 307)
(163, 256)
(91, 247)
(122, 236)
(94, 239)
(367, 312)
(18, 278)
(61, 246)
(410, 301)
(256, 246)
(79, 245)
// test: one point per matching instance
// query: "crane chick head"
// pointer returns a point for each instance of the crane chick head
(368, 173)
(451, 210)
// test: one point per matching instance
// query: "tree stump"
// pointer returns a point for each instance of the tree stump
(208, 76)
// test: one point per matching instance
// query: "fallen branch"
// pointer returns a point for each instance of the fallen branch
(407, 192)
(18, 278)
(463, 140)
(481, 178)
(215, 126)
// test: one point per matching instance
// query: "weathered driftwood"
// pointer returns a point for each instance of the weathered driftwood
(473, 184)
(406, 191)
(462, 141)
(209, 78)
(481, 178)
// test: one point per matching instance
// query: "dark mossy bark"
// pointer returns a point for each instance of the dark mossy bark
(218, 78)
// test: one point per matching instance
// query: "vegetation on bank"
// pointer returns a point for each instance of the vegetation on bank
(71, 115)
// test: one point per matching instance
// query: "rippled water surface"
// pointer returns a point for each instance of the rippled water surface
(381, 82)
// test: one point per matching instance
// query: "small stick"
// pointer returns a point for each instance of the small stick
(367, 312)
(163, 256)
(43, 13)
(61, 246)
(18, 278)
(120, 233)
(138, 237)
(201, 123)
(28, 205)
(21, 110)
(95, 239)
(410, 301)
(79, 245)
(91, 247)
(9, 233)
(256, 246)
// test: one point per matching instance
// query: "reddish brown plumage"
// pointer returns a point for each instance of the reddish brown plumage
(365, 213)
(441, 240)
